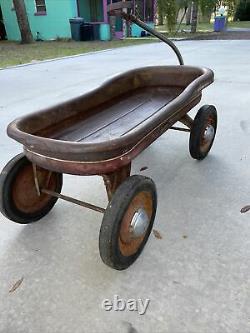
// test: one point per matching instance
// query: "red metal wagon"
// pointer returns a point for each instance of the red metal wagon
(100, 133)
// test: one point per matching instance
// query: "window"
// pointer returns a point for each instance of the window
(40, 6)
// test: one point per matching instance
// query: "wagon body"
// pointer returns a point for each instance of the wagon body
(99, 133)
(104, 129)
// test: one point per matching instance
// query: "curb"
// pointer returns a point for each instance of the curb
(54, 59)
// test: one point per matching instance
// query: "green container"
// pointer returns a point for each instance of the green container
(105, 32)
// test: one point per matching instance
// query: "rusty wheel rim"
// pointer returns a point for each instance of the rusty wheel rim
(24, 194)
(128, 242)
(208, 135)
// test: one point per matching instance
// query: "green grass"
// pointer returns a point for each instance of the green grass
(205, 27)
(243, 24)
(13, 53)
(184, 30)
(202, 27)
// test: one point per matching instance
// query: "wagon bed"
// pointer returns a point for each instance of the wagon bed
(118, 117)
(100, 132)
(115, 121)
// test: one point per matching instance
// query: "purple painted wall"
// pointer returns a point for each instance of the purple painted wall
(105, 11)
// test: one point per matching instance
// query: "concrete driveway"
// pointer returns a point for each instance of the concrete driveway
(197, 275)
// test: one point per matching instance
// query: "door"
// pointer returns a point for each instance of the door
(3, 35)
(96, 10)
(91, 10)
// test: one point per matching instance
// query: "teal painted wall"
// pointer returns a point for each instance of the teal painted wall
(10, 22)
(54, 24)
(136, 30)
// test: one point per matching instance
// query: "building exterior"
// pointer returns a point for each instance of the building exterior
(49, 19)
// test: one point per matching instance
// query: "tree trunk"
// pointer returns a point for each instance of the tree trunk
(194, 17)
(182, 19)
(23, 21)
(160, 19)
(160, 12)
(188, 15)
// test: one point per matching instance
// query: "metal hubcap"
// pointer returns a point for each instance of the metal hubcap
(139, 223)
(135, 223)
(207, 137)
(209, 133)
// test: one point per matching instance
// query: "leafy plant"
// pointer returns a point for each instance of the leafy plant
(243, 11)
(170, 8)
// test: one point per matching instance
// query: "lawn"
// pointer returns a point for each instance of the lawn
(13, 53)
(206, 27)
(243, 24)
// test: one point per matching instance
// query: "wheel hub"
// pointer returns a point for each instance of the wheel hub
(207, 137)
(209, 133)
(139, 223)
(135, 223)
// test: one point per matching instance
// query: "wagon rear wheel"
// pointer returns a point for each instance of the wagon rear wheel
(19, 200)
(203, 132)
(127, 222)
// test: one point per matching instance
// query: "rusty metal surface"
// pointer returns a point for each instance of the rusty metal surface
(187, 120)
(129, 245)
(107, 166)
(206, 142)
(114, 179)
(24, 193)
(40, 132)
(73, 200)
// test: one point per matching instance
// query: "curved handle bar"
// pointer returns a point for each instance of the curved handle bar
(134, 19)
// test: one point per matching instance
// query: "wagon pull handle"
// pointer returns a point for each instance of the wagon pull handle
(134, 19)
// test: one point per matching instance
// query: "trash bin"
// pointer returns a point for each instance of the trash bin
(87, 32)
(104, 31)
(96, 27)
(75, 25)
(219, 23)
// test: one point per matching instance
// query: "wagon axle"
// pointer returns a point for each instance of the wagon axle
(74, 201)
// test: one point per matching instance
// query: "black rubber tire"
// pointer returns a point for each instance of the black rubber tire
(207, 114)
(113, 217)
(8, 177)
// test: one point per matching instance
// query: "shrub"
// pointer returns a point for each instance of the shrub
(243, 11)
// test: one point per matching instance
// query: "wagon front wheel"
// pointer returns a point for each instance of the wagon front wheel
(19, 200)
(203, 132)
(127, 222)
